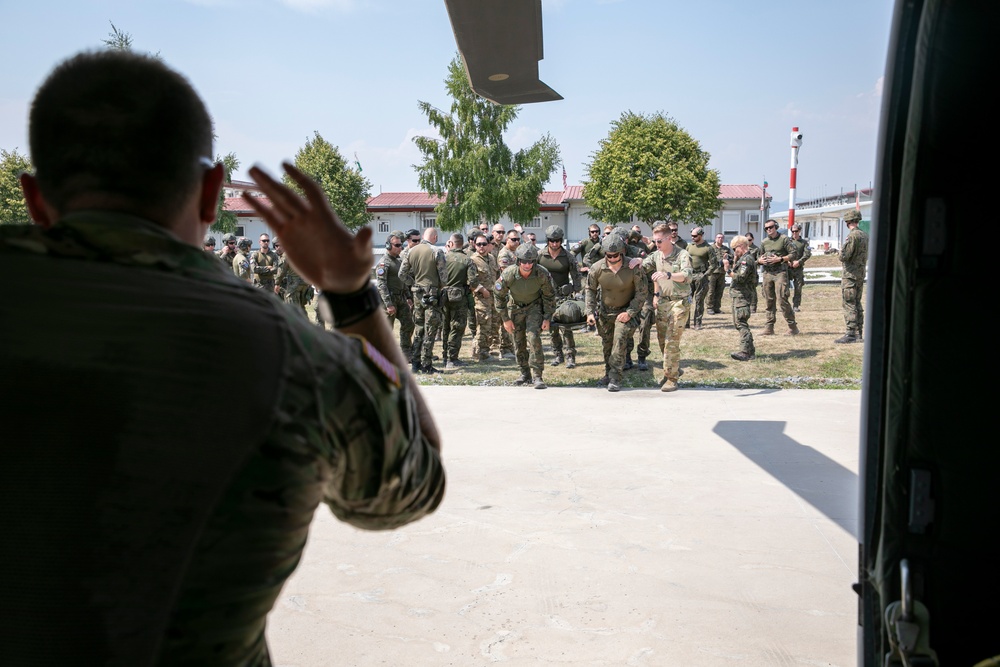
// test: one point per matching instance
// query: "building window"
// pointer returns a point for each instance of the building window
(383, 226)
(429, 222)
(240, 231)
(536, 223)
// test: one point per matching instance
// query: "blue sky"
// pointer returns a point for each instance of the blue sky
(736, 75)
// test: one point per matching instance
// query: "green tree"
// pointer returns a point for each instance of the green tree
(347, 189)
(651, 168)
(225, 221)
(471, 168)
(118, 39)
(12, 207)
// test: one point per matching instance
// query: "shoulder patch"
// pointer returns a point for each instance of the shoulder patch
(498, 286)
(378, 360)
(380, 270)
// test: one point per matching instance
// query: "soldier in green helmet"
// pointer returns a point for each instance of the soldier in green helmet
(854, 257)
(562, 266)
(525, 300)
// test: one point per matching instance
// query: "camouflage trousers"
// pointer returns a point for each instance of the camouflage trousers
(486, 321)
(741, 320)
(455, 319)
(560, 333)
(853, 288)
(753, 294)
(297, 297)
(699, 290)
(470, 304)
(644, 329)
(528, 338)
(671, 314)
(501, 338)
(796, 278)
(716, 287)
(775, 288)
(404, 315)
(426, 323)
(615, 337)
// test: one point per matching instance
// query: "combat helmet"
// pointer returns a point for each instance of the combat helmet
(229, 238)
(554, 233)
(244, 243)
(527, 253)
(209, 240)
(613, 243)
(853, 215)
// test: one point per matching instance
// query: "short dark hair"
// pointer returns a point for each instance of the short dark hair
(457, 240)
(121, 125)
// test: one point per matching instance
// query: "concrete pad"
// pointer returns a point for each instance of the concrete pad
(703, 527)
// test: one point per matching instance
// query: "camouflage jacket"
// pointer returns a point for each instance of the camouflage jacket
(241, 267)
(678, 261)
(854, 254)
(190, 529)
(743, 277)
(803, 250)
(608, 291)
(390, 285)
(514, 291)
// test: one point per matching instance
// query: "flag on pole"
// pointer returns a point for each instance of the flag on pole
(763, 193)
(564, 177)
(357, 163)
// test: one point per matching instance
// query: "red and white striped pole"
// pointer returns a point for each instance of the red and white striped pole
(796, 144)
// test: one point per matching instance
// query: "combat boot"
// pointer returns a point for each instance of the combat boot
(429, 369)
(415, 366)
(643, 366)
(628, 362)
(604, 381)
(613, 387)
(570, 361)
(450, 365)
(669, 385)
(846, 338)
(524, 379)
(538, 383)
(768, 330)
(558, 360)
(793, 329)
(742, 356)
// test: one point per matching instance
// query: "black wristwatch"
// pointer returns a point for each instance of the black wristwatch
(343, 310)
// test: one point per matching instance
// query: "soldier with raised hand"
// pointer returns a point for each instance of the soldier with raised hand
(525, 300)
(669, 270)
(461, 279)
(486, 314)
(228, 250)
(742, 273)
(395, 296)
(241, 260)
(796, 270)
(615, 296)
(776, 252)
(209, 243)
(422, 269)
(854, 258)
(181, 534)
(562, 266)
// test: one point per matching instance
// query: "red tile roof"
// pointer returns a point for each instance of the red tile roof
(573, 192)
(403, 200)
(740, 192)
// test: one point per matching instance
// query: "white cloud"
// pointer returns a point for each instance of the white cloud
(878, 87)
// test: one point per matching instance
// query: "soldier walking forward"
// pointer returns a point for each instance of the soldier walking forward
(669, 268)
(525, 300)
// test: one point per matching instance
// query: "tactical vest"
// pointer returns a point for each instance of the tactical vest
(558, 268)
(423, 265)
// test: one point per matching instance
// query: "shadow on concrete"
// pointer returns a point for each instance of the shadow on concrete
(819, 480)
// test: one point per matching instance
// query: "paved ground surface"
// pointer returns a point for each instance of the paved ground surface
(704, 527)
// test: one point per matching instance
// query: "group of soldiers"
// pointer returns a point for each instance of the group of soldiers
(265, 268)
(619, 283)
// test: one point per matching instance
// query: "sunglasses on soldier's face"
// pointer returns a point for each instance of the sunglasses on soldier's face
(612, 255)
(482, 245)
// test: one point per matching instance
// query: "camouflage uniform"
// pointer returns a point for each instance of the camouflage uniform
(461, 278)
(566, 280)
(505, 258)
(775, 285)
(717, 278)
(702, 258)
(190, 530)
(526, 302)
(754, 251)
(854, 257)
(422, 269)
(621, 292)
(583, 249)
(225, 254)
(291, 287)
(394, 293)
(743, 276)
(241, 263)
(673, 306)
(487, 316)
(264, 266)
(796, 274)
